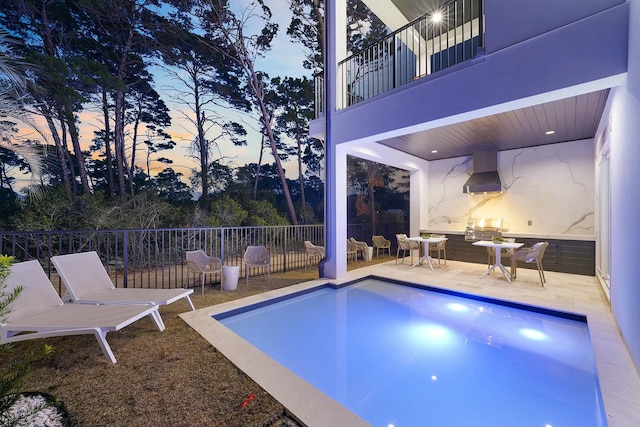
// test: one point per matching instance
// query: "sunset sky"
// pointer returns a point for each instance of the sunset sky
(285, 59)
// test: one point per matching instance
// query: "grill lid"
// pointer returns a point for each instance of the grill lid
(484, 224)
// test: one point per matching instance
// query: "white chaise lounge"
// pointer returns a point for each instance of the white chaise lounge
(38, 312)
(88, 282)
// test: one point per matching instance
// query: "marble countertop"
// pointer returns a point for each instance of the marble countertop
(584, 237)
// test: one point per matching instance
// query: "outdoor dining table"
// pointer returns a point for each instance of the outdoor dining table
(425, 244)
(498, 250)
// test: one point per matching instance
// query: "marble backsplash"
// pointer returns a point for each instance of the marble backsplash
(549, 189)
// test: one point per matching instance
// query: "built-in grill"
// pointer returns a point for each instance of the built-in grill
(483, 228)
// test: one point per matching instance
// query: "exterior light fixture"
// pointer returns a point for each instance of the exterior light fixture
(434, 151)
(436, 17)
(550, 132)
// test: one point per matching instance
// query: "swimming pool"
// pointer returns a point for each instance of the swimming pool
(405, 356)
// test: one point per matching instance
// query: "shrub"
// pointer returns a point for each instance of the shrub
(14, 370)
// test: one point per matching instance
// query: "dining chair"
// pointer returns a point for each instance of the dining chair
(534, 254)
(404, 245)
(440, 248)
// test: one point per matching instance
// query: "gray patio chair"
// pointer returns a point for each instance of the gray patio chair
(380, 243)
(312, 252)
(257, 257)
(361, 247)
(202, 264)
(352, 251)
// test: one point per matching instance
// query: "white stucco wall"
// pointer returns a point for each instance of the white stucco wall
(625, 194)
(509, 22)
(554, 65)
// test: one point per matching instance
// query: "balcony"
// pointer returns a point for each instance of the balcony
(452, 34)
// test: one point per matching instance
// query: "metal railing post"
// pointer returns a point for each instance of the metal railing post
(222, 256)
(125, 258)
(284, 249)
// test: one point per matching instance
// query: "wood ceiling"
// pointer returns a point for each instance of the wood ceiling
(572, 119)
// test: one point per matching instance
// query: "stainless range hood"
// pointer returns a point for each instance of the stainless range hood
(485, 177)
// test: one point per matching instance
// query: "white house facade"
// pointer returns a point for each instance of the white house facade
(570, 66)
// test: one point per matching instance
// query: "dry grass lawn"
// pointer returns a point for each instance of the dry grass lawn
(170, 378)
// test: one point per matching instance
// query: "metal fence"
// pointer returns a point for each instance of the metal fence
(447, 35)
(155, 258)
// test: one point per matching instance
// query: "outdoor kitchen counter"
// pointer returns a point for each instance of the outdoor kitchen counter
(575, 254)
(519, 235)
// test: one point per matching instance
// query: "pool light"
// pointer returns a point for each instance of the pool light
(533, 334)
(432, 334)
(456, 306)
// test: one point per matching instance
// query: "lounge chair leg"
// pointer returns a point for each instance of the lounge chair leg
(101, 336)
(188, 299)
(157, 319)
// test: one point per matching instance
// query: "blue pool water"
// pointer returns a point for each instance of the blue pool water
(405, 356)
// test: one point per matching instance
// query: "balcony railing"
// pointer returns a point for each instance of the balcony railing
(435, 41)
(155, 258)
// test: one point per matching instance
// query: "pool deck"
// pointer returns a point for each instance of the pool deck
(619, 381)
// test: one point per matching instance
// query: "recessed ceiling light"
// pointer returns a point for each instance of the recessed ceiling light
(434, 151)
(550, 132)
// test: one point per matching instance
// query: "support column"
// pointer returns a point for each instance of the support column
(335, 221)
(419, 198)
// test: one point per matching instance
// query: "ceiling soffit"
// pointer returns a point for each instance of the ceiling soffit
(570, 119)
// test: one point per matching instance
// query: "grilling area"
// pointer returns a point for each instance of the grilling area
(563, 254)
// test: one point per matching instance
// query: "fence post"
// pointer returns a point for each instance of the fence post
(284, 241)
(125, 258)
(222, 245)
